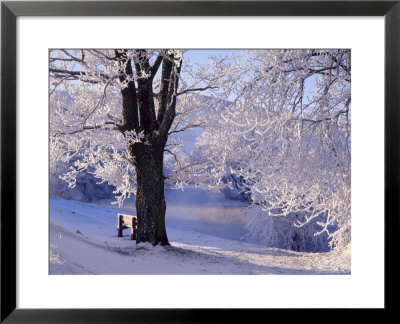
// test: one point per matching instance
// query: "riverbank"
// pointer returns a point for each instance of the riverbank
(83, 240)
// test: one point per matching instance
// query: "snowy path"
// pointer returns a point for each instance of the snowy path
(83, 241)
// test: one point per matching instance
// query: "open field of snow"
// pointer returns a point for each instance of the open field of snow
(83, 240)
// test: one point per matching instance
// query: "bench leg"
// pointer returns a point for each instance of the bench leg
(119, 226)
(133, 234)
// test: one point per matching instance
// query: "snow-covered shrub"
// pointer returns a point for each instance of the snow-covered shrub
(236, 188)
(86, 188)
(280, 232)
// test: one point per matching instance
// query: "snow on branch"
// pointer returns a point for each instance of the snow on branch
(287, 135)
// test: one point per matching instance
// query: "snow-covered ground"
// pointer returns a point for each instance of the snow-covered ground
(204, 230)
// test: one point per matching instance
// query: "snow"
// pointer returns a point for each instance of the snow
(83, 240)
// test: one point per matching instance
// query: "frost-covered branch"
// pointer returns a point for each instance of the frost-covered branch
(287, 135)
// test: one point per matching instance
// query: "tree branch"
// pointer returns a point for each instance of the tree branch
(195, 89)
(145, 94)
(174, 155)
(82, 74)
(156, 66)
(185, 128)
(84, 128)
(130, 117)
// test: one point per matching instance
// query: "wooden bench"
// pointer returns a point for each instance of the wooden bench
(127, 221)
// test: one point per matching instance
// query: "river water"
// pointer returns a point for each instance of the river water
(198, 210)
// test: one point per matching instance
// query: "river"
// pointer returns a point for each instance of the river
(198, 210)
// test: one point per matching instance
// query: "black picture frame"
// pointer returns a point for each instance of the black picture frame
(10, 10)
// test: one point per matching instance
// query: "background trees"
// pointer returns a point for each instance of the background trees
(286, 134)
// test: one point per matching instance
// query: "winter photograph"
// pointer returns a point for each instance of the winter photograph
(199, 161)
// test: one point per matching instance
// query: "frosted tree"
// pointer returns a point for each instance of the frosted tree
(113, 111)
(287, 134)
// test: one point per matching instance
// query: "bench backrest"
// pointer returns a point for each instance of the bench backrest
(128, 219)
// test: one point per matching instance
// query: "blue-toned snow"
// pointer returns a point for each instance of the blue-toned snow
(204, 230)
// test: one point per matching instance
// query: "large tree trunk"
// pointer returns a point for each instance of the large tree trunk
(150, 199)
(148, 154)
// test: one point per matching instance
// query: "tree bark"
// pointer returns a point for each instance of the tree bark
(150, 199)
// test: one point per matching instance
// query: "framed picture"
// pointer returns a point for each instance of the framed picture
(35, 32)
